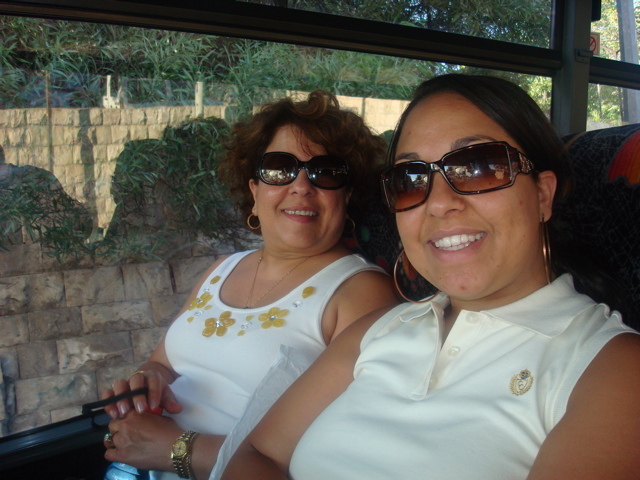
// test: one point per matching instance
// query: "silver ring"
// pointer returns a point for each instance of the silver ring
(108, 440)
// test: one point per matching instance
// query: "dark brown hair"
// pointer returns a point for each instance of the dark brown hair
(341, 133)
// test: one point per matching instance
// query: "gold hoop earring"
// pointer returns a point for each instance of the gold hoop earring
(546, 249)
(349, 222)
(395, 281)
(253, 227)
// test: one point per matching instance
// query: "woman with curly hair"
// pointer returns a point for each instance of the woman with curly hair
(299, 171)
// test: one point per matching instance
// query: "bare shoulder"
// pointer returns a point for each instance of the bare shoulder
(368, 286)
(598, 438)
(364, 292)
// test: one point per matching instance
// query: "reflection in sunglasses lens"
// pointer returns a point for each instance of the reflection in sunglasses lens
(323, 171)
(473, 169)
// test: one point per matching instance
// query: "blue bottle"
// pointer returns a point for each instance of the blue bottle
(122, 471)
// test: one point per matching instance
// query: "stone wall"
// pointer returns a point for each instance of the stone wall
(67, 330)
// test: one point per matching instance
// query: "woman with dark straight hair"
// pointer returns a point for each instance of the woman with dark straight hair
(508, 372)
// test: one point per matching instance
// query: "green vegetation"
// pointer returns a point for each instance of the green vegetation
(166, 188)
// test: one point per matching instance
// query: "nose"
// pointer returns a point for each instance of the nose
(301, 185)
(442, 200)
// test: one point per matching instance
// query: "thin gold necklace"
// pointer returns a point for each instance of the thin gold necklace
(253, 284)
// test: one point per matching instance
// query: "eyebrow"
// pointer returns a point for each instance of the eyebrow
(459, 143)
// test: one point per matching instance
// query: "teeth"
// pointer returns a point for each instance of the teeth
(305, 213)
(457, 242)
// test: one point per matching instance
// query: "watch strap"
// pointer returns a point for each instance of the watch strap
(182, 463)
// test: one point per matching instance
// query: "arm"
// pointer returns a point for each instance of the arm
(357, 296)
(267, 451)
(599, 436)
(144, 440)
(156, 374)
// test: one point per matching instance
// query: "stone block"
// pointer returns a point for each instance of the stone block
(145, 341)
(13, 295)
(165, 309)
(116, 317)
(94, 351)
(14, 330)
(64, 135)
(63, 154)
(22, 259)
(34, 155)
(16, 117)
(155, 131)
(38, 359)
(59, 391)
(120, 134)
(139, 132)
(111, 116)
(45, 291)
(9, 363)
(20, 423)
(95, 116)
(55, 324)
(65, 116)
(5, 118)
(101, 135)
(16, 136)
(36, 116)
(145, 280)
(188, 271)
(137, 116)
(113, 152)
(89, 287)
(65, 413)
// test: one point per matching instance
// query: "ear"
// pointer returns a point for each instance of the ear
(348, 195)
(546, 185)
(253, 186)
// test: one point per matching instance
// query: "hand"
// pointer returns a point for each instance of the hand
(143, 440)
(159, 395)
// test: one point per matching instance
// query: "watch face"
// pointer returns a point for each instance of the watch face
(179, 448)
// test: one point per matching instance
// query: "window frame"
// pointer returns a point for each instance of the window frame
(568, 62)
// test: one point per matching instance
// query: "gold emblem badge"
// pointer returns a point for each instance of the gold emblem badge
(521, 382)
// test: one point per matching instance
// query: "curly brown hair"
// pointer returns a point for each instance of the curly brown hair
(341, 132)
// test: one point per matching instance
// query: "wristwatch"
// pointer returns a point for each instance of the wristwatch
(181, 454)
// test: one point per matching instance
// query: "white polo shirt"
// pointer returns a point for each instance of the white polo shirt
(476, 406)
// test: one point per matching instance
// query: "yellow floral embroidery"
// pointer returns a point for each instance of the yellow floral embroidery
(243, 328)
(274, 317)
(200, 302)
(190, 319)
(215, 279)
(307, 292)
(218, 326)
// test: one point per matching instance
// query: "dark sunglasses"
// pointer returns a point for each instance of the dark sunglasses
(324, 171)
(480, 168)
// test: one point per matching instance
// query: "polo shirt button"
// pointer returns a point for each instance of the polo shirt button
(454, 351)
(472, 318)
(433, 381)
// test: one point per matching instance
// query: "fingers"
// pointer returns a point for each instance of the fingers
(124, 405)
(138, 380)
(111, 409)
